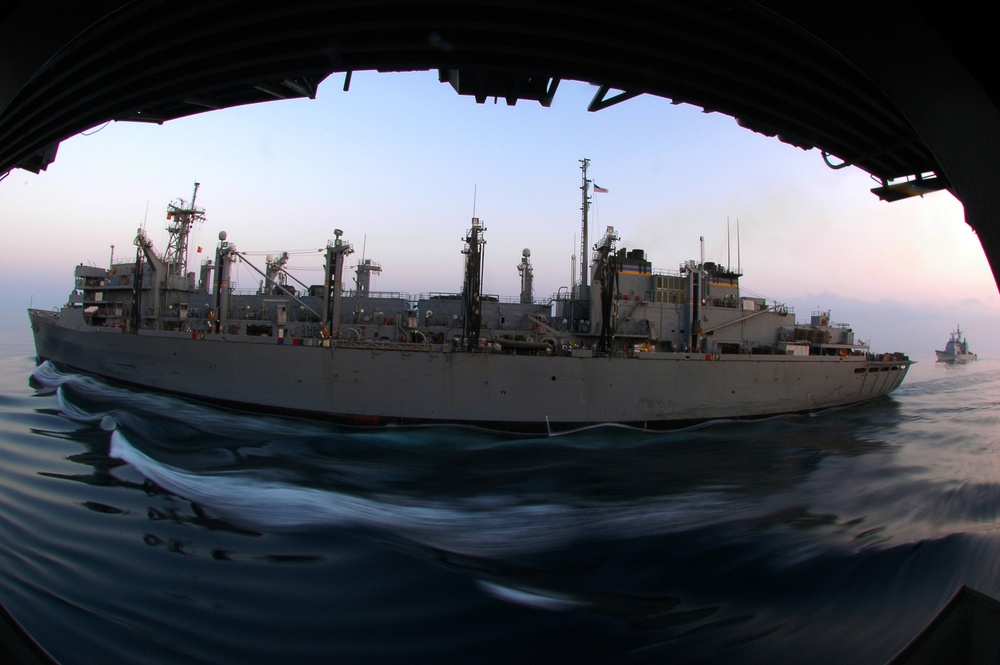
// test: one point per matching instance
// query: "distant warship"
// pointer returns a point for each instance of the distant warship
(957, 349)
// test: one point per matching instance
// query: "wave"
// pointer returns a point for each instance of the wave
(483, 524)
(478, 492)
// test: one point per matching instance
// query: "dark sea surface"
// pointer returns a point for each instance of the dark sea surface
(140, 528)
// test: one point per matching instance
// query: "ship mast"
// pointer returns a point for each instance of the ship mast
(527, 277)
(336, 253)
(585, 208)
(605, 293)
(472, 288)
(182, 218)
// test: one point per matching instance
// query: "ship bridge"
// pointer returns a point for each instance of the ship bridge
(905, 95)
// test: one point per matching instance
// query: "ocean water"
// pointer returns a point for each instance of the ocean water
(138, 528)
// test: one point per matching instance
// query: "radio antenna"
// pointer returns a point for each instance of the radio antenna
(739, 263)
(729, 247)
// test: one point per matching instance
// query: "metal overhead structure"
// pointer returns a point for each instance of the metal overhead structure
(907, 99)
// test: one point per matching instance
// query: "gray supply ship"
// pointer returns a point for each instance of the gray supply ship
(957, 349)
(626, 344)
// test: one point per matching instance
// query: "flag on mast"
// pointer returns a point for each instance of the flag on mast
(599, 189)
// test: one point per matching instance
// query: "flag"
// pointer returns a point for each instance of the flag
(599, 189)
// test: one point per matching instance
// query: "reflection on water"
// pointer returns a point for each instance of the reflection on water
(759, 541)
(470, 492)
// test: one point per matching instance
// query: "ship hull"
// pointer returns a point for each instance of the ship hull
(400, 383)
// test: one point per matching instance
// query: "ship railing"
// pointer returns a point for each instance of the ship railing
(563, 294)
(380, 295)
(381, 345)
(486, 298)
(440, 295)
(506, 300)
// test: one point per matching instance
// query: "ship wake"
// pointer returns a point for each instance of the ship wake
(474, 525)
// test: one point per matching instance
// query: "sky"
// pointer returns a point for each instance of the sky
(401, 163)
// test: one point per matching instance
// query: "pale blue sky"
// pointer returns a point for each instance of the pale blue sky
(398, 162)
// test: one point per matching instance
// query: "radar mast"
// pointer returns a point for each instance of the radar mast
(182, 218)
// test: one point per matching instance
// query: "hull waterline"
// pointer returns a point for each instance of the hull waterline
(380, 383)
